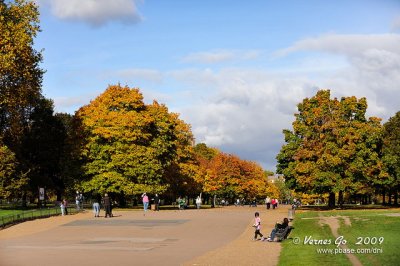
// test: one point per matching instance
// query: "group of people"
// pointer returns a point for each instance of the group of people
(271, 202)
(146, 201)
(257, 225)
(106, 202)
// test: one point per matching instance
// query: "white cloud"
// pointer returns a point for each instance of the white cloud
(245, 110)
(351, 44)
(94, 12)
(396, 24)
(220, 56)
(70, 104)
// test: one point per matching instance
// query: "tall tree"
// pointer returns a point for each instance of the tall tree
(391, 154)
(129, 145)
(20, 75)
(44, 147)
(333, 147)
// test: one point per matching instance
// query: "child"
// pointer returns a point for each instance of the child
(257, 226)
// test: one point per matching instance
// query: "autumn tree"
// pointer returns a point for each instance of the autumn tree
(333, 148)
(228, 176)
(129, 145)
(20, 78)
(183, 172)
(391, 156)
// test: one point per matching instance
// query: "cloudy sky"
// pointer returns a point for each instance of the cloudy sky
(234, 70)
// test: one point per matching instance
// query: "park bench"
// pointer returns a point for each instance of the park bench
(283, 233)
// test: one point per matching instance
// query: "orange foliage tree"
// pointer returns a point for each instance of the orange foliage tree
(129, 146)
(228, 176)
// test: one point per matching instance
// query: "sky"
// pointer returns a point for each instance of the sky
(234, 70)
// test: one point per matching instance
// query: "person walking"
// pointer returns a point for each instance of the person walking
(145, 200)
(273, 204)
(65, 203)
(268, 202)
(156, 202)
(257, 226)
(198, 202)
(107, 205)
(77, 201)
(62, 208)
(96, 208)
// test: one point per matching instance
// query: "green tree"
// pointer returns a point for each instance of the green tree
(391, 154)
(333, 148)
(20, 76)
(10, 184)
(44, 147)
(70, 158)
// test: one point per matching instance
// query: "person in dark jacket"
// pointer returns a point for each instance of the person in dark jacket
(107, 205)
(157, 202)
(282, 225)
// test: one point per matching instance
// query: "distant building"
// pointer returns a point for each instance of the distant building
(275, 177)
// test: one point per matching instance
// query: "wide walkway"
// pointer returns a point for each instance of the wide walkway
(221, 236)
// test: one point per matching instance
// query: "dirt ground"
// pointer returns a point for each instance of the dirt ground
(220, 236)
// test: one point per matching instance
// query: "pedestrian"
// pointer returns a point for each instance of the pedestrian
(96, 208)
(257, 226)
(145, 200)
(198, 202)
(107, 205)
(268, 202)
(276, 203)
(181, 203)
(273, 204)
(81, 199)
(65, 203)
(62, 208)
(156, 202)
(77, 201)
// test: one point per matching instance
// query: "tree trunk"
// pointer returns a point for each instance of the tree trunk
(213, 202)
(384, 197)
(396, 197)
(24, 199)
(331, 203)
(59, 198)
(340, 199)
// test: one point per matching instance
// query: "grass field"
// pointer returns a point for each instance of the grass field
(371, 235)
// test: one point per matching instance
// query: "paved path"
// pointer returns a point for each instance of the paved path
(220, 236)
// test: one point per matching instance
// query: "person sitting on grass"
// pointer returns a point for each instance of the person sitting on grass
(278, 226)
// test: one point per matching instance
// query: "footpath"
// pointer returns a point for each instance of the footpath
(220, 236)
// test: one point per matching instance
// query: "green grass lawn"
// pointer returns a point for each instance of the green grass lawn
(375, 231)
(5, 212)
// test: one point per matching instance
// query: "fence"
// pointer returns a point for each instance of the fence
(23, 216)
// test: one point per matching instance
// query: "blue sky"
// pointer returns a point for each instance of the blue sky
(234, 70)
